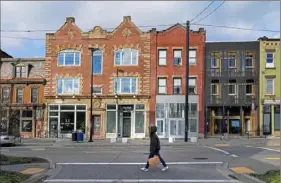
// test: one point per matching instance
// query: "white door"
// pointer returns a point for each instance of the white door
(160, 123)
(176, 128)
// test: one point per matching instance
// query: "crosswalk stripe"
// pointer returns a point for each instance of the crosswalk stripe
(143, 180)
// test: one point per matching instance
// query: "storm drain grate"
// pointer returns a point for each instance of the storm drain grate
(200, 158)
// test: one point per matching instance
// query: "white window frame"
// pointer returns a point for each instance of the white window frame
(252, 58)
(69, 51)
(95, 54)
(158, 81)
(252, 86)
(101, 90)
(119, 80)
(217, 88)
(177, 50)
(121, 58)
(266, 79)
(62, 81)
(235, 89)
(162, 50)
(180, 86)
(269, 65)
(228, 61)
(195, 87)
(190, 51)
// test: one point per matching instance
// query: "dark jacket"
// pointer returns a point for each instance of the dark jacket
(154, 140)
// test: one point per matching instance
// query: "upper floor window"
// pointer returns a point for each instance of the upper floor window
(249, 89)
(97, 90)
(192, 57)
(177, 57)
(215, 59)
(126, 56)
(125, 85)
(34, 95)
(68, 86)
(69, 58)
(232, 89)
(19, 95)
(269, 60)
(97, 61)
(214, 89)
(177, 85)
(232, 60)
(249, 60)
(162, 85)
(5, 94)
(269, 83)
(21, 71)
(192, 85)
(162, 57)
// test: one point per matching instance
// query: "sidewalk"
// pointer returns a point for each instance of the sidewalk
(211, 141)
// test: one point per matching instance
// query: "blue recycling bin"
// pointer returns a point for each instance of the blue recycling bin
(80, 136)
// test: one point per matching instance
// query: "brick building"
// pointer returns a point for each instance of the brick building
(121, 80)
(168, 63)
(21, 107)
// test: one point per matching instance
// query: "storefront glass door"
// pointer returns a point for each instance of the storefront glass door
(160, 123)
(176, 128)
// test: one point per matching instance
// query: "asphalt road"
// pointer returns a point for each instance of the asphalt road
(119, 164)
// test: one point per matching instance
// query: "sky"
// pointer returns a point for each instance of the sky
(51, 15)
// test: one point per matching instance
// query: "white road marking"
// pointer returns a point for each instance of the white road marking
(265, 148)
(216, 149)
(130, 163)
(142, 180)
(38, 149)
(235, 156)
(4, 150)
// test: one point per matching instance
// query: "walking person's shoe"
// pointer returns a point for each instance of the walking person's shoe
(165, 168)
(144, 169)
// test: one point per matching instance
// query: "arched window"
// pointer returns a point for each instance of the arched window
(126, 56)
(69, 58)
(97, 61)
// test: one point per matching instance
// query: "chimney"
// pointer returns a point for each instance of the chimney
(201, 29)
(153, 30)
(126, 18)
(70, 19)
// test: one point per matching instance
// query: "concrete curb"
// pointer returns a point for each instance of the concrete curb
(253, 178)
(36, 178)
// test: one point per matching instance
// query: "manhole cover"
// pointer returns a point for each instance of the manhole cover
(200, 158)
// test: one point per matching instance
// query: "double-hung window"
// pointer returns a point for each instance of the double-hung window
(21, 71)
(34, 95)
(249, 60)
(177, 57)
(232, 89)
(125, 85)
(68, 86)
(214, 89)
(231, 60)
(19, 95)
(269, 60)
(97, 61)
(69, 58)
(192, 57)
(192, 85)
(126, 56)
(162, 57)
(177, 85)
(162, 85)
(5, 95)
(269, 86)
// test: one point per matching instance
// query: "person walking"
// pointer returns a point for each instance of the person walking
(154, 149)
(224, 133)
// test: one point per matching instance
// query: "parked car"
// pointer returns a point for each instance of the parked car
(6, 139)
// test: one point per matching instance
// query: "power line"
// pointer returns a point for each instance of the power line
(202, 11)
(211, 12)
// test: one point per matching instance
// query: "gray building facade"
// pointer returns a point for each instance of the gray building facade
(231, 86)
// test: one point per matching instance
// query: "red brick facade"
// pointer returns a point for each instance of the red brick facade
(69, 36)
(170, 39)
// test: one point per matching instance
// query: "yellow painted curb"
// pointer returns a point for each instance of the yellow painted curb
(222, 145)
(273, 158)
(242, 170)
(30, 171)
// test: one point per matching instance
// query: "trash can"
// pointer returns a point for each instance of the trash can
(74, 136)
(80, 136)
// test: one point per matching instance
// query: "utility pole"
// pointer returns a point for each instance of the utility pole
(186, 111)
(91, 105)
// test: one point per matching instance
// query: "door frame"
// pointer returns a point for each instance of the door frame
(164, 127)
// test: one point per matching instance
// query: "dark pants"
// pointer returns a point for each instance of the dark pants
(158, 154)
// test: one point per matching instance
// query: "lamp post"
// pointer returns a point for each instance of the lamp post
(91, 103)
